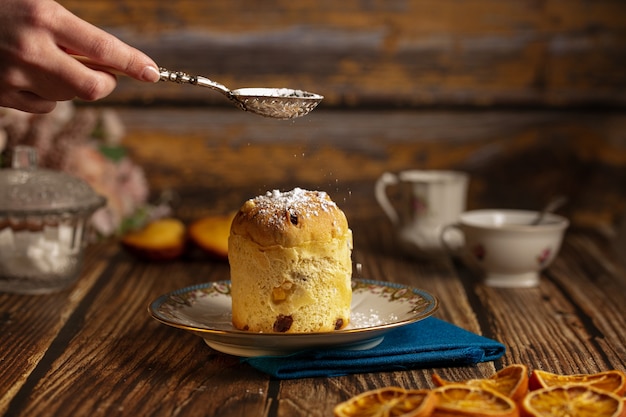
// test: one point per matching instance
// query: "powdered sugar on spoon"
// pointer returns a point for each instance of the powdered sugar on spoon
(278, 103)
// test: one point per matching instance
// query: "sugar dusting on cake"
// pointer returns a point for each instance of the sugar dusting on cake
(298, 202)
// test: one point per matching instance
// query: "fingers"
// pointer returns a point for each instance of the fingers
(103, 48)
(54, 75)
(36, 87)
(43, 97)
(73, 79)
(36, 69)
(27, 101)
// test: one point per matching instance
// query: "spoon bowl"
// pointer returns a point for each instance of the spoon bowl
(277, 103)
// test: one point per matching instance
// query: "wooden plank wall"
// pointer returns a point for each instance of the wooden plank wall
(382, 52)
(528, 96)
(515, 159)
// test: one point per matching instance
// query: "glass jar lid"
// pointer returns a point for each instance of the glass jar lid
(26, 189)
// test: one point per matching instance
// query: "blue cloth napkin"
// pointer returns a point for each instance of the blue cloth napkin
(429, 343)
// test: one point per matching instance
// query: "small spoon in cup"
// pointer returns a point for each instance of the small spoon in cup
(554, 204)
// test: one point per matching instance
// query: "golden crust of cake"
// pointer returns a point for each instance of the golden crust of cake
(290, 218)
(290, 264)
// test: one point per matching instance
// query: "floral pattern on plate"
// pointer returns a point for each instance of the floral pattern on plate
(377, 308)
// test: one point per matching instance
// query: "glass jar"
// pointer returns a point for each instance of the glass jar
(44, 225)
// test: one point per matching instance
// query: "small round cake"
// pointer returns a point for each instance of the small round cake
(290, 264)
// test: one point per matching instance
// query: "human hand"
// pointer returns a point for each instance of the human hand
(36, 68)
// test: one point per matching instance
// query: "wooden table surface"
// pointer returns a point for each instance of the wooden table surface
(94, 350)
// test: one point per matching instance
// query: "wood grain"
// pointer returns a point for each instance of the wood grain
(94, 350)
(44, 317)
(110, 358)
(515, 159)
(413, 53)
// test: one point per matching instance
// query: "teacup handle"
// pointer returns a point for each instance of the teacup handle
(380, 192)
(444, 237)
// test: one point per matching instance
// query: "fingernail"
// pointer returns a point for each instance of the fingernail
(150, 74)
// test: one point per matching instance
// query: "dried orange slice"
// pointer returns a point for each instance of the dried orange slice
(472, 401)
(211, 233)
(160, 240)
(388, 402)
(573, 400)
(612, 381)
(511, 381)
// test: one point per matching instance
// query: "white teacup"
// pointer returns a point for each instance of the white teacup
(420, 203)
(506, 247)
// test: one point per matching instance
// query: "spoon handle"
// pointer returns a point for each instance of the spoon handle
(178, 77)
(552, 205)
(184, 78)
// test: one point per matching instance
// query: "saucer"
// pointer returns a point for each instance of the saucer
(377, 307)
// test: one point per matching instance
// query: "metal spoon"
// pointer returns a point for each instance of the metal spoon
(552, 205)
(277, 103)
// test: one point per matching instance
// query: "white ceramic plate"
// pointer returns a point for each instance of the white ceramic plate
(377, 307)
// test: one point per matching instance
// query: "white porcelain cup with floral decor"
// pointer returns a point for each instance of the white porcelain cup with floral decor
(420, 203)
(505, 246)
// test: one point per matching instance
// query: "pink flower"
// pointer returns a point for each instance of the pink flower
(122, 183)
(86, 143)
